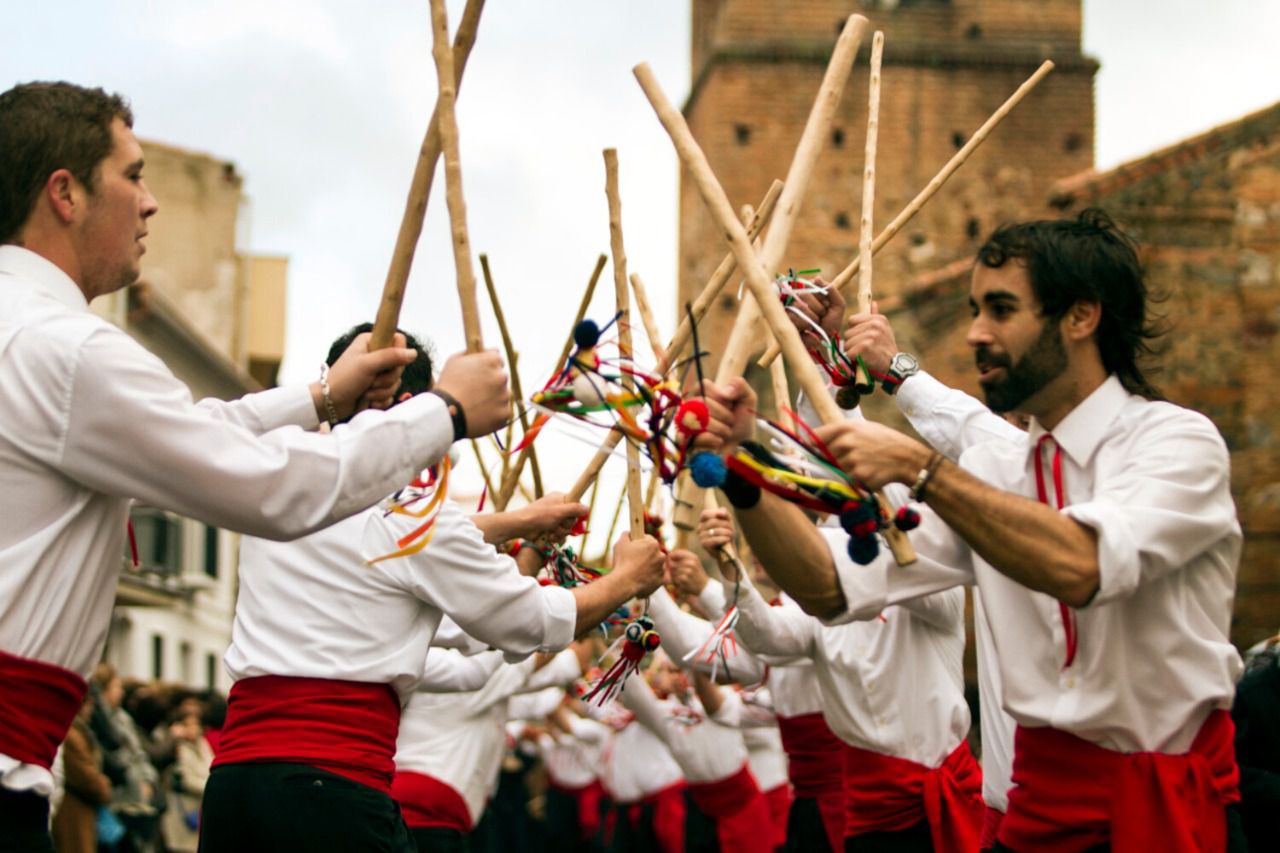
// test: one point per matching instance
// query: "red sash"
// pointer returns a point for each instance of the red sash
(426, 802)
(1069, 794)
(668, 817)
(38, 702)
(887, 794)
(739, 810)
(345, 727)
(815, 762)
(779, 800)
(991, 821)
(588, 797)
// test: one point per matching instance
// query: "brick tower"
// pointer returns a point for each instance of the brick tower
(948, 64)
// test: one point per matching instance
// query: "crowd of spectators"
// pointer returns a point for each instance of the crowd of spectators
(133, 767)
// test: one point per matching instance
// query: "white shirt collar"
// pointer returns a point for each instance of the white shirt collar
(44, 274)
(1082, 430)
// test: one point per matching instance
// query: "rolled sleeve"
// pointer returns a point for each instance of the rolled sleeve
(559, 618)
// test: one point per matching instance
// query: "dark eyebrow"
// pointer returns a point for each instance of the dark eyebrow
(135, 166)
(999, 296)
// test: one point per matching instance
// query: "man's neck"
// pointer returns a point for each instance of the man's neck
(1060, 397)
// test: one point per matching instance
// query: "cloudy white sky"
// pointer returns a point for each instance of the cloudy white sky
(321, 105)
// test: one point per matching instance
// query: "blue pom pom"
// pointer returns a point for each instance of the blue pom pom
(863, 550)
(907, 518)
(586, 334)
(708, 470)
(854, 514)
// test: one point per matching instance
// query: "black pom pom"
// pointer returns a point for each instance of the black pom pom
(847, 397)
(586, 334)
(907, 519)
(854, 514)
(863, 550)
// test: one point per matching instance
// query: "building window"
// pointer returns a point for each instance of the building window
(974, 32)
(837, 138)
(159, 538)
(742, 133)
(958, 140)
(1073, 142)
(211, 551)
(842, 221)
(972, 228)
(157, 657)
(210, 671)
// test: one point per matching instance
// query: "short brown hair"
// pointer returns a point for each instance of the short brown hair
(45, 127)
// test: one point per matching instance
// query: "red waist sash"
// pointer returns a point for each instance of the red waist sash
(815, 763)
(345, 727)
(426, 802)
(887, 794)
(779, 800)
(739, 809)
(1069, 794)
(38, 702)
(668, 816)
(991, 821)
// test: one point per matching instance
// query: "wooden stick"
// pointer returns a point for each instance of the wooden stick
(415, 207)
(516, 389)
(957, 160)
(509, 480)
(757, 278)
(862, 380)
(781, 390)
(743, 339)
(635, 502)
(484, 472)
(683, 334)
(646, 318)
(448, 122)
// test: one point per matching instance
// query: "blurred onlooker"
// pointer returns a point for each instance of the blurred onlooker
(215, 715)
(1257, 717)
(186, 779)
(136, 797)
(86, 788)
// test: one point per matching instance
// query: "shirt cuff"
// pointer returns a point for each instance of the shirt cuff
(1118, 570)
(865, 588)
(712, 600)
(289, 405)
(919, 394)
(559, 618)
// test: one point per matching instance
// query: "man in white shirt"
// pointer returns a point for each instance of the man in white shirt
(1105, 546)
(89, 421)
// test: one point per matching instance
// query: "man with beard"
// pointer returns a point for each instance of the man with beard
(1105, 546)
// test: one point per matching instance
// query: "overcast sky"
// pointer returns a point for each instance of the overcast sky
(321, 105)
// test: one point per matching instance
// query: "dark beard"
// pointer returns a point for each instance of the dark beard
(1041, 364)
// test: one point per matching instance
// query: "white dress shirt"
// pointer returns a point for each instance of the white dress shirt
(759, 726)
(313, 608)
(458, 738)
(90, 420)
(1154, 656)
(451, 671)
(893, 685)
(952, 421)
(573, 760)
(706, 751)
(636, 763)
(683, 633)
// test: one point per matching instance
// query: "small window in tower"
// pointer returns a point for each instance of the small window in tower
(974, 32)
(972, 228)
(842, 221)
(957, 139)
(837, 138)
(917, 239)
(742, 133)
(1073, 142)
(728, 302)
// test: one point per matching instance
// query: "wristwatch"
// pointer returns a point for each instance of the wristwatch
(903, 366)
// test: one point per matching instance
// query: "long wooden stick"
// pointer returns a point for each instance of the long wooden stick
(516, 389)
(957, 160)
(683, 334)
(635, 501)
(415, 207)
(443, 55)
(743, 339)
(757, 279)
(646, 318)
(862, 380)
(512, 477)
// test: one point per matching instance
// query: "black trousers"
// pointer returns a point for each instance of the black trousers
(806, 833)
(24, 822)
(700, 834)
(284, 807)
(913, 839)
(437, 839)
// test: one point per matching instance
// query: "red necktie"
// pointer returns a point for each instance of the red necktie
(1068, 618)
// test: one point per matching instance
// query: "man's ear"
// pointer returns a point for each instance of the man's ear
(1081, 320)
(405, 396)
(65, 194)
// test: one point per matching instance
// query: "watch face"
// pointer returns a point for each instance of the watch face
(904, 364)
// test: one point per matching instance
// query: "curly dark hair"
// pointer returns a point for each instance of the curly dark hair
(1087, 259)
(45, 127)
(418, 376)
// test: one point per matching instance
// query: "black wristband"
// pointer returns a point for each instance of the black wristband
(742, 493)
(456, 413)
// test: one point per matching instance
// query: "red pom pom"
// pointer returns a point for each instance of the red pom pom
(692, 417)
(863, 529)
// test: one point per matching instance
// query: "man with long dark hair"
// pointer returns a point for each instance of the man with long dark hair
(1105, 545)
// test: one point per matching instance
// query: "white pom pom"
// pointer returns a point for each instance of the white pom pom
(589, 390)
